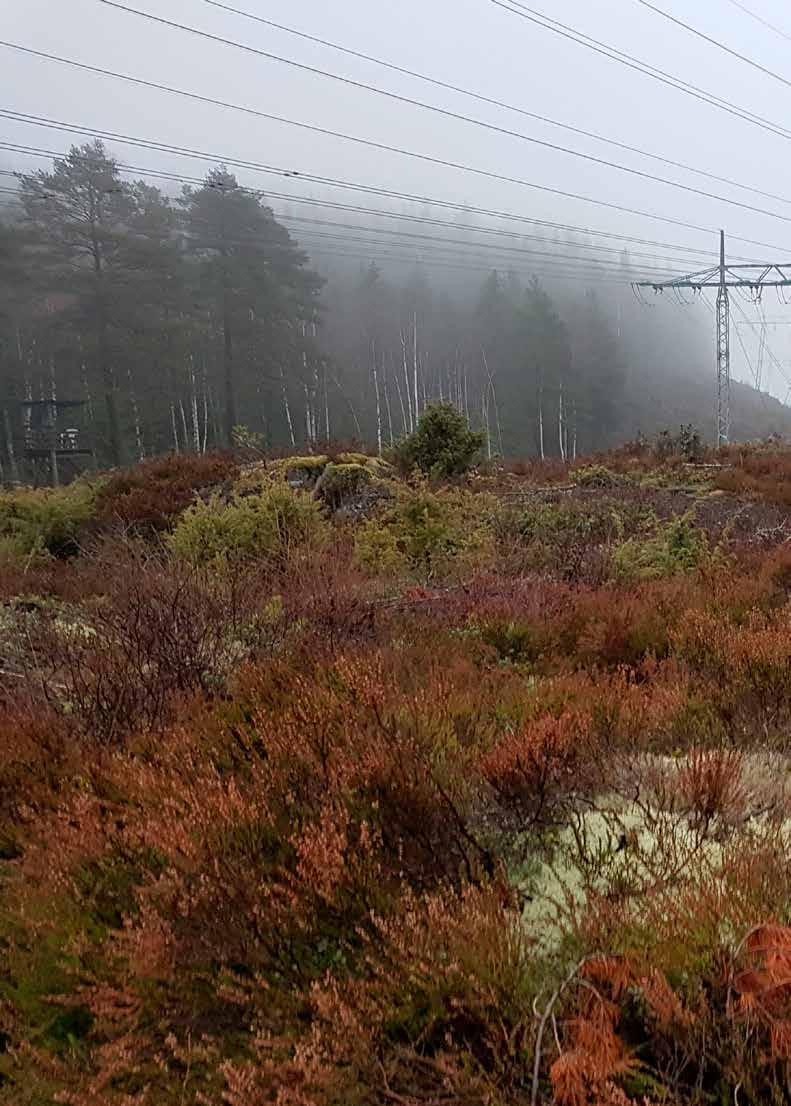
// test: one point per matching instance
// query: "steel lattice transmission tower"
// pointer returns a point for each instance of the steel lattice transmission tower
(754, 276)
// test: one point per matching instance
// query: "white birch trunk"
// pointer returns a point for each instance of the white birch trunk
(9, 444)
(541, 421)
(574, 436)
(401, 401)
(560, 423)
(287, 409)
(205, 390)
(387, 403)
(136, 416)
(485, 420)
(406, 383)
(326, 406)
(414, 366)
(378, 403)
(194, 407)
(184, 429)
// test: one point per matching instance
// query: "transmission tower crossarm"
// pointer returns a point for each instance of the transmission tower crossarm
(754, 275)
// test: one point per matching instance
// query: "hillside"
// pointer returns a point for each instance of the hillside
(680, 397)
(323, 786)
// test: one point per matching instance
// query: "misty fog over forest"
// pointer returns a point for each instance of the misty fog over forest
(311, 221)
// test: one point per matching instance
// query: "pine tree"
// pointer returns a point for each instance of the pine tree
(252, 276)
(547, 355)
(81, 213)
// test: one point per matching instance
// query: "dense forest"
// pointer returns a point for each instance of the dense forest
(177, 321)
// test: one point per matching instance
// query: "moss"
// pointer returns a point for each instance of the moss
(307, 468)
(340, 481)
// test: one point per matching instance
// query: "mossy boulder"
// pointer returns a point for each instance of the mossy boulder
(342, 481)
(334, 481)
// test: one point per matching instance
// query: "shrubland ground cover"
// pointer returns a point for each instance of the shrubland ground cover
(323, 790)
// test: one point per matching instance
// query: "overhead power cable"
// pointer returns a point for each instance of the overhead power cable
(492, 253)
(181, 151)
(404, 197)
(771, 354)
(289, 197)
(493, 101)
(354, 209)
(71, 128)
(424, 106)
(379, 256)
(592, 265)
(470, 245)
(515, 7)
(715, 42)
(759, 19)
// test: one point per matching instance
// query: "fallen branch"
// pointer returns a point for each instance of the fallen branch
(542, 1026)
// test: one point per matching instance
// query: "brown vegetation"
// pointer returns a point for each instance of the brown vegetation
(316, 831)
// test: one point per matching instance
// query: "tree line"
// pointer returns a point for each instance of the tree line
(180, 323)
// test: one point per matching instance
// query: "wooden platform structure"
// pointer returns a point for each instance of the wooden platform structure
(52, 442)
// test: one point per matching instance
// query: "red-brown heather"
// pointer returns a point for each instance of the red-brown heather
(471, 793)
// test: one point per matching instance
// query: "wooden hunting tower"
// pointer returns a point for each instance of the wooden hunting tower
(52, 440)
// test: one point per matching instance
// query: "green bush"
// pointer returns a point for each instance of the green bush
(571, 520)
(44, 520)
(596, 476)
(678, 547)
(430, 534)
(442, 446)
(271, 525)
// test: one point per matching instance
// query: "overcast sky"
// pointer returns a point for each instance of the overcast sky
(471, 43)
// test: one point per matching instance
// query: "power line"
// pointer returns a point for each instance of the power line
(715, 42)
(402, 196)
(474, 245)
(434, 222)
(481, 98)
(442, 264)
(590, 265)
(53, 124)
(759, 19)
(772, 356)
(424, 106)
(554, 263)
(515, 7)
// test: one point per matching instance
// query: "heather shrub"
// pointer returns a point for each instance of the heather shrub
(760, 473)
(596, 476)
(152, 493)
(122, 659)
(440, 1010)
(599, 522)
(423, 809)
(431, 534)
(270, 526)
(44, 521)
(442, 446)
(679, 546)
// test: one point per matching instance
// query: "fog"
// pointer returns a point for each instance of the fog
(479, 46)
